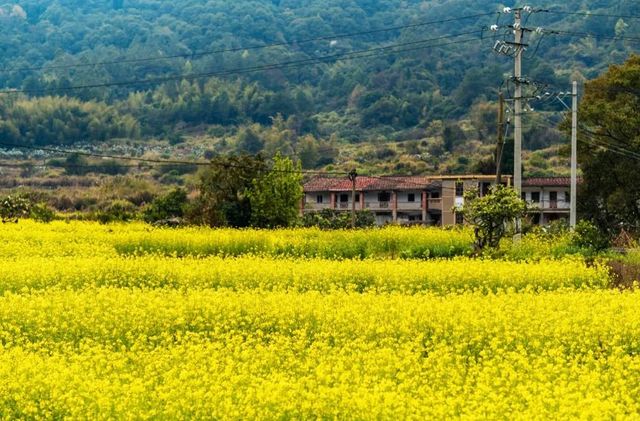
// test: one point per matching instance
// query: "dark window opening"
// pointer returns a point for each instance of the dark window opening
(344, 197)
(459, 218)
(459, 189)
(435, 195)
(411, 197)
(524, 196)
(357, 197)
(485, 188)
(384, 197)
(535, 197)
(319, 198)
(567, 197)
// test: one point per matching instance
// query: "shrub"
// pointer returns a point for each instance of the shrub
(171, 205)
(12, 208)
(587, 235)
(117, 211)
(333, 219)
(41, 212)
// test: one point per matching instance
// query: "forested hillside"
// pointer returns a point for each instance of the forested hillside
(137, 69)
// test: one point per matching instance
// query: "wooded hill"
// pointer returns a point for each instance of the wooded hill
(91, 71)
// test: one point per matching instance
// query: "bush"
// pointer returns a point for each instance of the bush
(41, 212)
(587, 235)
(171, 205)
(333, 219)
(117, 211)
(12, 208)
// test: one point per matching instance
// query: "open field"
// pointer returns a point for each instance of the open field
(88, 329)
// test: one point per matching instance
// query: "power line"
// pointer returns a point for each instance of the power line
(273, 66)
(589, 14)
(590, 35)
(152, 160)
(255, 47)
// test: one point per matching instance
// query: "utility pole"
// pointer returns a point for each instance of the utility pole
(517, 147)
(353, 175)
(574, 155)
(500, 144)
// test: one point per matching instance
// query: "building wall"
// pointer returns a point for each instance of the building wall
(406, 211)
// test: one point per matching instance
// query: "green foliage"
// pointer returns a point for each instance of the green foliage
(491, 213)
(171, 205)
(14, 207)
(586, 235)
(224, 188)
(276, 196)
(610, 194)
(334, 219)
(62, 120)
(41, 212)
(384, 95)
(117, 211)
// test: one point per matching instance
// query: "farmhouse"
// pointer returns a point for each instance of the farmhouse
(429, 200)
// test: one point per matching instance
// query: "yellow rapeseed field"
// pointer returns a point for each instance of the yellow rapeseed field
(91, 328)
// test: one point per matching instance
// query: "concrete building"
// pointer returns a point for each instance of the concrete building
(399, 199)
(550, 197)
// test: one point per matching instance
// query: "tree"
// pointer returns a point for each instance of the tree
(275, 197)
(12, 208)
(249, 141)
(171, 205)
(76, 164)
(491, 213)
(610, 127)
(224, 187)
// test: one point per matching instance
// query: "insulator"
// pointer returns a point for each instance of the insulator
(506, 10)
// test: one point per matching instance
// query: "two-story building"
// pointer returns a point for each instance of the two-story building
(398, 199)
(550, 198)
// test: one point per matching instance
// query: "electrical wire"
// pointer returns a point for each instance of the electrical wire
(152, 160)
(589, 14)
(255, 47)
(273, 66)
(590, 35)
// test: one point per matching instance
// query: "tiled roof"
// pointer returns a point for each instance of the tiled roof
(547, 181)
(402, 182)
(369, 183)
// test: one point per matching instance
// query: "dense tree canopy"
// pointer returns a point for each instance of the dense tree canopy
(97, 70)
(609, 151)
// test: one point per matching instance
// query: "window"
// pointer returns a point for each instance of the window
(459, 218)
(567, 197)
(435, 195)
(459, 189)
(524, 196)
(535, 196)
(319, 199)
(357, 197)
(344, 197)
(485, 188)
(411, 197)
(384, 196)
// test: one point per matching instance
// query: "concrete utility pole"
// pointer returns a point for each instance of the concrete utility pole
(500, 144)
(517, 147)
(574, 155)
(353, 175)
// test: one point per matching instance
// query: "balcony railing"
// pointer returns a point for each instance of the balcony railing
(435, 203)
(344, 205)
(550, 204)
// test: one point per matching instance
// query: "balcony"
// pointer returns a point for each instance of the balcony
(410, 206)
(378, 205)
(435, 204)
(343, 205)
(551, 205)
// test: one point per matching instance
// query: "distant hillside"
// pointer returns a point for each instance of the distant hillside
(445, 93)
